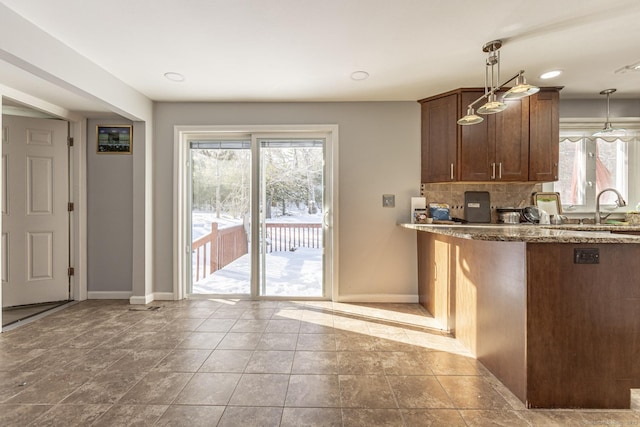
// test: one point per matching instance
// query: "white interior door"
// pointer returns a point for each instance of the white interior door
(35, 227)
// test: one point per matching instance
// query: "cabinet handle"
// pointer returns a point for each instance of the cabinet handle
(500, 170)
(493, 171)
(451, 171)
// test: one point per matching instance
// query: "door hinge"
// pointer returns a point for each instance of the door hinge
(70, 141)
(71, 271)
(70, 207)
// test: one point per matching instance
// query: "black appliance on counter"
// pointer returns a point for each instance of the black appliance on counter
(477, 206)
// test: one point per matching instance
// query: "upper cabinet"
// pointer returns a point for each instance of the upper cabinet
(518, 144)
(544, 135)
(439, 125)
(496, 149)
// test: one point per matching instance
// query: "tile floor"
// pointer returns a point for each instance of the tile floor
(246, 363)
(17, 314)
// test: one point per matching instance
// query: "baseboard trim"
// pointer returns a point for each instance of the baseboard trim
(163, 296)
(108, 295)
(141, 300)
(379, 298)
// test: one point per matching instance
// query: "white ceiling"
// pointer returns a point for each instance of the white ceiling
(306, 50)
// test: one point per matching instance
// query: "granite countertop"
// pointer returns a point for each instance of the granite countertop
(532, 233)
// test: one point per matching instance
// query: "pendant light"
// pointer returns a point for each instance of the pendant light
(521, 89)
(492, 86)
(608, 129)
(471, 118)
(492, 106)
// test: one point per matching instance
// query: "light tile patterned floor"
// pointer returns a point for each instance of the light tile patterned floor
(247, 363)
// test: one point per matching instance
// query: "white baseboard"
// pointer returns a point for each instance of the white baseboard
(163, 296)
(141, 300)
(380, 298)
(168, 296)
(108, 295)
(156, 296)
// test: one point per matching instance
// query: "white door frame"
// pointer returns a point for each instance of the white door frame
(77, 184)
(181, 193)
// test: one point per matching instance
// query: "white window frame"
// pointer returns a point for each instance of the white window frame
(586, 128)
(181, 194)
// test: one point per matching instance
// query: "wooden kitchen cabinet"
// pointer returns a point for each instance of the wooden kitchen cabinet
(440, 139)
(544, 136)
(557, 333)
(518, 144)
(498, 148)
(435, 266)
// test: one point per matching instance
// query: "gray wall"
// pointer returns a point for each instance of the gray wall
(586, 108)
(109, 216)
(379, 152)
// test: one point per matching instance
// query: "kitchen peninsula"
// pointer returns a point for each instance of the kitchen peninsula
(553, 313)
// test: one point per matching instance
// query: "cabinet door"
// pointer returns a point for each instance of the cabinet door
(477, 150)
(434, 272)
(511, 135)
(544, 136)
(439, 139)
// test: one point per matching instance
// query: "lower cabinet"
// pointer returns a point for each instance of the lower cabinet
(557, 334)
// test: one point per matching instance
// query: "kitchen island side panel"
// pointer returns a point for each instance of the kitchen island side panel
(476, 290)
(583, 324)
(490, 307)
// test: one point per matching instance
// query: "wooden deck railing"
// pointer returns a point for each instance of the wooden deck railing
(217, 249)
(221, 247)
(286, 237)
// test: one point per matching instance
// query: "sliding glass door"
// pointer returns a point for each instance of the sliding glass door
(258, 215)
(220, 217)
(291, 215)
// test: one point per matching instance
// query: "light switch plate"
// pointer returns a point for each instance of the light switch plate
(388, 200)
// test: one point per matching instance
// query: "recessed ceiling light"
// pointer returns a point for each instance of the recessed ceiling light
(174, 77)
(550, 74)
(359, 75)
(633, 67)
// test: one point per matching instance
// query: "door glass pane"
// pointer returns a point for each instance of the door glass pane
(220, 209)
(291, 229)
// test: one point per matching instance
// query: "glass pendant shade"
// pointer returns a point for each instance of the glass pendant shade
(492, 106)
(521, 89)
(470, 119)
(610, 131)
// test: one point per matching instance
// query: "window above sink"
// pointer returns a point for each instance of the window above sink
(589, 164)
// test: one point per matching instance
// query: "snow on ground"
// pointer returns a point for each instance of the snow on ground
(299, 217)
(201, 223)
(297, 273)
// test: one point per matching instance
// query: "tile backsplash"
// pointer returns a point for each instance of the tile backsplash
(502, 195)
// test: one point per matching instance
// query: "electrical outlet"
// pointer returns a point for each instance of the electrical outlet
(586, 256)
(388, 201)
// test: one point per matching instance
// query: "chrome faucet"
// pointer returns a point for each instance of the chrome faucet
(620, 202)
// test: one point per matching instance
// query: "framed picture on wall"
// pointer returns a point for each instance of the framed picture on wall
(114, 139)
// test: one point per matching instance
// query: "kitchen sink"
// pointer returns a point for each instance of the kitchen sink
(613, 228)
